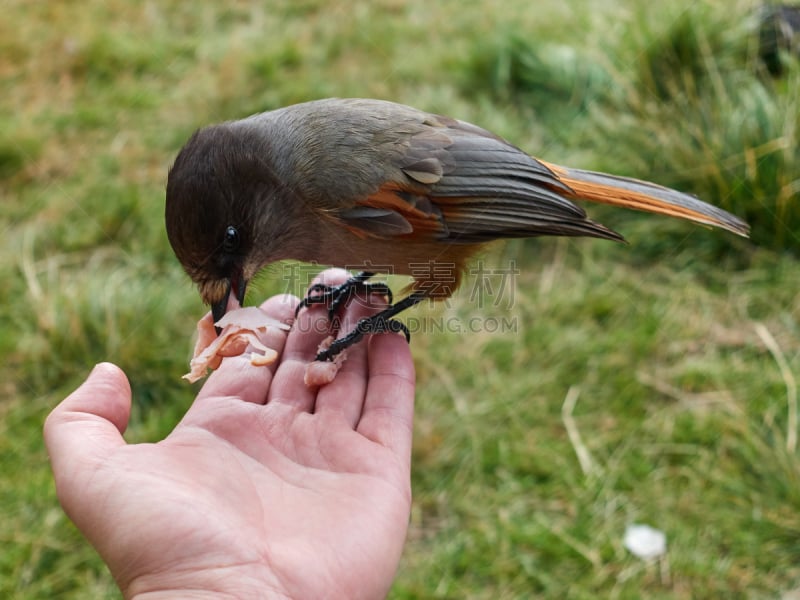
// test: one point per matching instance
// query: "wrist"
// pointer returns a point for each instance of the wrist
(194, 594)
(216, 583)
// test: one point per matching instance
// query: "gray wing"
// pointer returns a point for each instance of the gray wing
(460, 183)
(392, 170)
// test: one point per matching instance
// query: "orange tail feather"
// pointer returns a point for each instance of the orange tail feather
(645, 196)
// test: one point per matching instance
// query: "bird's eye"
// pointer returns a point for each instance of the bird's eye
(231, 241)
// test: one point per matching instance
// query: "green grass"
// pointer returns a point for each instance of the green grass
(678, 96)
(681, 406)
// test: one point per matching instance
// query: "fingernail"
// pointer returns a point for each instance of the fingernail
(101, 366)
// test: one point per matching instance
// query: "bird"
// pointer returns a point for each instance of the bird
(360, 182)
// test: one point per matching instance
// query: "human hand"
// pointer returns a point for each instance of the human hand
(265, 489)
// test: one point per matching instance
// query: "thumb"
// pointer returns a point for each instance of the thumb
(86, 427)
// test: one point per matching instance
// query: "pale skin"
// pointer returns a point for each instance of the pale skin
(265, 489)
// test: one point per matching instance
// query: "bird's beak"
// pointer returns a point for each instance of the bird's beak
(238, 285)
(218, 308)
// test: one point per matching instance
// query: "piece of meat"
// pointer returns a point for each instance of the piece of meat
(323, 372)
(239, 331)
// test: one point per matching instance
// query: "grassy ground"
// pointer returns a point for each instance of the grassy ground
(606, 385)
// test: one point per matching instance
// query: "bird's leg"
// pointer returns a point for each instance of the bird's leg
(381, 322)
(336, 296)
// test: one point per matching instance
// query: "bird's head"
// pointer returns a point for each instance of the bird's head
(212, 221)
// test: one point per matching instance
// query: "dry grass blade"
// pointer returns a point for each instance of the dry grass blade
(788, 380)
(588, 465)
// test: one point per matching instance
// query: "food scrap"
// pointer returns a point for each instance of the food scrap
(323, 372)
(239, 330)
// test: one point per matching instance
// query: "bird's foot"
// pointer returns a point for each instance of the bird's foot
(336, 296)
(377, 323)
(381, 322)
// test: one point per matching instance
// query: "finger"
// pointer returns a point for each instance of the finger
(236, 376)
(309, 330)
(344, 396)
(85, 428)
(388, 413)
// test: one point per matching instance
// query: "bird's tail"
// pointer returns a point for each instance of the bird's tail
(649, 197)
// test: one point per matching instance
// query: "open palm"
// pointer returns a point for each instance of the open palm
(266, 488)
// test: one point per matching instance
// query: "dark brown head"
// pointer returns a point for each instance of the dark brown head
(218, 192)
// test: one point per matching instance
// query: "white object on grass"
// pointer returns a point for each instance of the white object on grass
(645, 542)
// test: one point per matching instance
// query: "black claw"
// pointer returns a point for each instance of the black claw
(334, 297)
(317, 294)
(378, 323)
(362, 288)
(374, 324)
(398, 327)
(380, 288)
